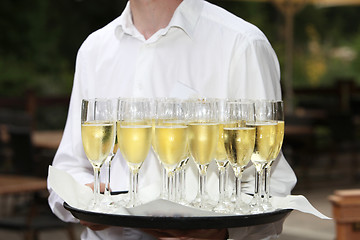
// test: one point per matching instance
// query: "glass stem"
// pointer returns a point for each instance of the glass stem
(233, 192)
(238, 189)
(133, 187)
(226, 182)
(177, 179)
(258, 176)
(164, 189)
(96, 185)
(202, 186)
(267, 182)
(238, 186)
(171, 185)
(222, 179)
(179, 185)
(183, 184)
(256, 201)
(107, 186)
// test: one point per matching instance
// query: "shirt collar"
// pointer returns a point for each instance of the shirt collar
(185, 17)
(125, 25)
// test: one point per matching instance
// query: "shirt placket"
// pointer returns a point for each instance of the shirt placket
(144, 66)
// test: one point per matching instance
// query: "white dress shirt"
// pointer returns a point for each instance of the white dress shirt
(204, 51)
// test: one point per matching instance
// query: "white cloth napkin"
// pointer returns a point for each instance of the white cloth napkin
(80, 196)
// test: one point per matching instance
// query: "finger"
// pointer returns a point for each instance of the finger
(187, 234)
(200, 234)
(91, 185)
(93, 226)
(157, 232)
(102, 187)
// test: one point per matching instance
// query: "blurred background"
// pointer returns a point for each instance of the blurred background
(318, 46)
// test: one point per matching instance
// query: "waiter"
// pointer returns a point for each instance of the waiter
(170, 48)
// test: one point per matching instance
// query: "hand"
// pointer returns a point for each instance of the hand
(91, 185)
(93, 226)
(164, 234)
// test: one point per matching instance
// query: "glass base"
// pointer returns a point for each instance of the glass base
(183, 202)
(267, 206)
(107, 204)
(106, 200)
(223, 207)
(202, 205)
(121, 203)
(131, 204)
(241, 208)
(256, 206)
(94, 206)
(203, 202)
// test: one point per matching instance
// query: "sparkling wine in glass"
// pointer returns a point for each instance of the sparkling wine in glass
(134, 132)
(221, 159)
(157, 118)
(180, 179)
(170, 139)
(239, 143)
(203, 139)
(107, 201)
(278, 111)
(98, 136)
(265, 140)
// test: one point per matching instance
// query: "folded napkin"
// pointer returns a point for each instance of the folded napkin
(80, 196)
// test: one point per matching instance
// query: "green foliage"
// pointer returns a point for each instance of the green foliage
(336, 31)
(40, 39)
(356, 63)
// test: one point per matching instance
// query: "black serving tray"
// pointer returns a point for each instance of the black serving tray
(160, 222)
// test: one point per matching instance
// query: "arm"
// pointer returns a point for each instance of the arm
(70, 156)
(255, 73)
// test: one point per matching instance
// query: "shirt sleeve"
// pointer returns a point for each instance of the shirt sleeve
(255, 74)
(70, 155)
(254, 71)
(264, 231)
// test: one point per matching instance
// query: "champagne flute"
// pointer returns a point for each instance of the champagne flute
(278, 111)
(203, 139)
(107, 193)
(239, 143)
(180, 178)
(134, 133)
(265, 138)
(221, 159)
(170, 139)
(97, 133)
(155, 118)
